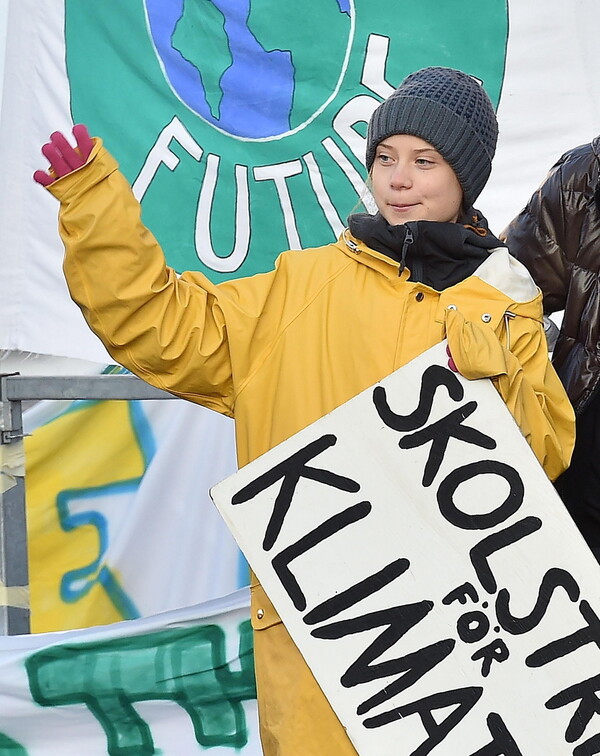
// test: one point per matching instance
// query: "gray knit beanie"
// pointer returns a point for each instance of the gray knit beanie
(451, 111)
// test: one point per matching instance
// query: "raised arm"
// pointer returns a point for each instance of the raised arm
(171, 331)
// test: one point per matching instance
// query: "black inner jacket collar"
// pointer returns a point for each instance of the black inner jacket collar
(437, 254)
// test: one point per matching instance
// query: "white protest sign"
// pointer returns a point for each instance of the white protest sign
(428, 572)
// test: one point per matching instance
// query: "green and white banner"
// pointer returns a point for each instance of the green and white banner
(241, 123)
(178, 683)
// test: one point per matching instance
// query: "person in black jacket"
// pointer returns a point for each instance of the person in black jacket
(557, 237)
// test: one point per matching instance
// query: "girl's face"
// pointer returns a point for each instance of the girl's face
(411, 181)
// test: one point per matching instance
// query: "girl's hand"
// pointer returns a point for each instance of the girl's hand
(473, 350)
(64, 158)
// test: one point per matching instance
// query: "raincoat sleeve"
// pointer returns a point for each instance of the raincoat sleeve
(177, 333)
(526, 381)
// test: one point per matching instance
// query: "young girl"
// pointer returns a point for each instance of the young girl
(279, 350)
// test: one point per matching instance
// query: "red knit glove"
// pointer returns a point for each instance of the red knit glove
(62, 157)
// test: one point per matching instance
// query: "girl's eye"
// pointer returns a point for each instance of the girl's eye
(424, 162)
(385, 158)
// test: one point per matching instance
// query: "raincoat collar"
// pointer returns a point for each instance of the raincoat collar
(436, 254)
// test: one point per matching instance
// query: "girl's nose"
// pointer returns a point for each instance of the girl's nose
(400, 177)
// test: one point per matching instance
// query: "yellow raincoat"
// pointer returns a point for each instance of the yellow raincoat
(279, 350)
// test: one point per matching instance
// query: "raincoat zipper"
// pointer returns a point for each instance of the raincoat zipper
(408, 240)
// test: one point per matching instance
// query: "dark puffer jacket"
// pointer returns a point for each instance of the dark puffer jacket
(557, 237)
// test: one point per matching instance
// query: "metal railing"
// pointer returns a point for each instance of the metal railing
(14, 390)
